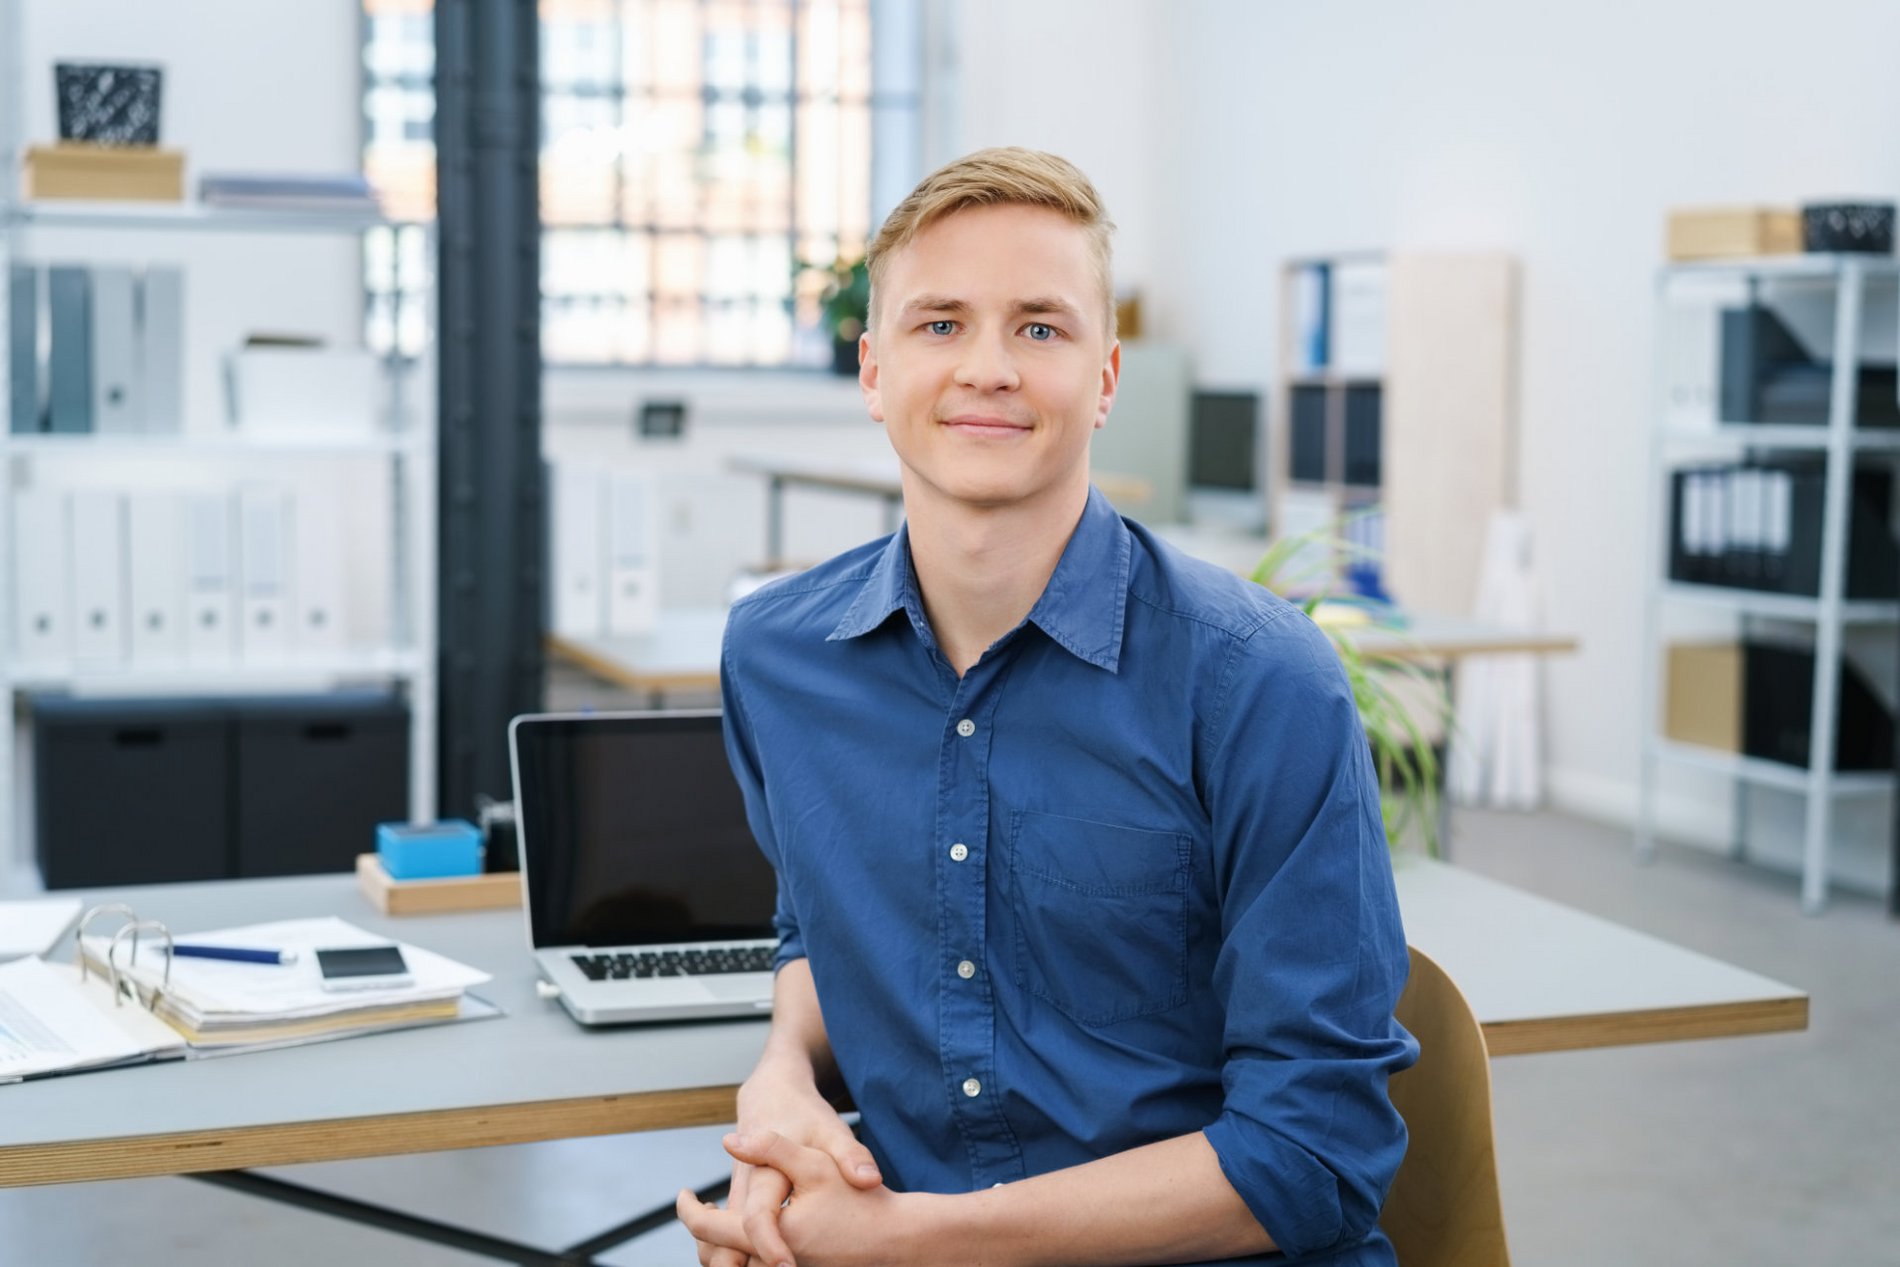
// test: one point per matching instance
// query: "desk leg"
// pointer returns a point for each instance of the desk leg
(256, 1185)
(774, 522)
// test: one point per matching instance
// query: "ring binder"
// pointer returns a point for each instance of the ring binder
(110, 971)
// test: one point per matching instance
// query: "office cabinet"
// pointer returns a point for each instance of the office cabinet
(131, 792)
(314, 775)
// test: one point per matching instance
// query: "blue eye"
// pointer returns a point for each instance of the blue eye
(941, 327)
(1040, 332)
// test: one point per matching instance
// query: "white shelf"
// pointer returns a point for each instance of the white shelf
(291, 673)
(1817, 265)
(1775, 774)
(1782, 606)
(212, 444)
(190, 217)
(1770, 436)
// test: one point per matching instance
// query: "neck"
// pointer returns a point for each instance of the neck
(980, 569)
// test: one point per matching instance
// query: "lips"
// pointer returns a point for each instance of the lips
(985, 425)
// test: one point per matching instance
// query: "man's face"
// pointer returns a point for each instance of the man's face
(990, 364)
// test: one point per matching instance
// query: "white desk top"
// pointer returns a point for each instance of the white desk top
(1540, 976)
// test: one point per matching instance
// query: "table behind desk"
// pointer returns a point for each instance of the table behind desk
(1540, 977)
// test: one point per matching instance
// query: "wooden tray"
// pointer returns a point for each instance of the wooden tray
(434, 897)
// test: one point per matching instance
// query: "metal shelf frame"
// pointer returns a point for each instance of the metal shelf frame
(1852, 278)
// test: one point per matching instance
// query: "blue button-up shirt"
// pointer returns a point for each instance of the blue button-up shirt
(1123, 880)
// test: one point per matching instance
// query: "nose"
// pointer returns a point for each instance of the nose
(986, 364)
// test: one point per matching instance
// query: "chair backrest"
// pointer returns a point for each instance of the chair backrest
(1444, 1209)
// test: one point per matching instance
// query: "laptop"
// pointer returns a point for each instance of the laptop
(647, 897)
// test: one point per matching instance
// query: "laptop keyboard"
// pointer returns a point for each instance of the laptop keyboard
(674, 963)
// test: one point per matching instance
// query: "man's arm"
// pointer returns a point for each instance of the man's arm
(1163, 1202)
(785, 1095)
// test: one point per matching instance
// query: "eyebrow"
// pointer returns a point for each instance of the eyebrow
(1039, 305)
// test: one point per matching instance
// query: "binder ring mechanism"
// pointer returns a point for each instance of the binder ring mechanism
(131, 929)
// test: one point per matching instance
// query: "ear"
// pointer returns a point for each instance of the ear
(867, 377)
(1111, 379)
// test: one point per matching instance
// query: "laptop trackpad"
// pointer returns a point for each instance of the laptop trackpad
(745, 986)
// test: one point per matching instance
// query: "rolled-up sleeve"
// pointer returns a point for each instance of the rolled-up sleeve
(1313, 955)
(742, 752)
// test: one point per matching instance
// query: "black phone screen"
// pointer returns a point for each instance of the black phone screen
(361, 961)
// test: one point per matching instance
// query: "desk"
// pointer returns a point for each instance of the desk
(1540, 977)
(876, 477)
(681, 652)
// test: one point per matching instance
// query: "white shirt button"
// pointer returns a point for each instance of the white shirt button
(966, 728)
(966, 970)
(972, 1088)
(959, 851)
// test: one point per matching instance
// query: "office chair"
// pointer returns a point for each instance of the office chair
(1444, 1208)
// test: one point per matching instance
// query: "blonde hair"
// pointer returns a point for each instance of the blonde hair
(999, 177)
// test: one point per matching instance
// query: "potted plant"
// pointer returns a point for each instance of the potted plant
(1397, 699)
(844, 307)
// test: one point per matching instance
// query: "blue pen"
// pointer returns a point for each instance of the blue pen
(236, 954)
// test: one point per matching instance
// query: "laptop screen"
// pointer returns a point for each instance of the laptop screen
(633, 832)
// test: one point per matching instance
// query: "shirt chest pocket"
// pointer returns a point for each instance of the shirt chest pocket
(1101, 916)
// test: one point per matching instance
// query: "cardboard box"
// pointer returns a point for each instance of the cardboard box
(494, 891)
(73, 169)
(1703, 695)
(1711, 233)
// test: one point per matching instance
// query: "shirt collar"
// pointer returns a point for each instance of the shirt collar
(1081, 608)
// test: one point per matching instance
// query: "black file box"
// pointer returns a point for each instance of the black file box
(1873, 558)
(1364, 424)
(1768, 377)
(1778, 711)
(130, 791)
(315, 774)
(1307, 461)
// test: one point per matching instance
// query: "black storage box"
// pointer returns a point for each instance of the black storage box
(131, 791)
(1307, 461)
(1364, 426)
(1873, 558)
(151, 791)
(1860, 227)
(1778, 711)
(315, 774)
(1768, 377)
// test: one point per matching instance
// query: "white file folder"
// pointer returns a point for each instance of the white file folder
(98, 568)
(155, 553)
(210, 579)
(42, 568)
(264, 588)
(116, 408)
(580, 549)
(633, 589)
(322, 592)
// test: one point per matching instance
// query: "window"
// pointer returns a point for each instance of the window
(694, 154)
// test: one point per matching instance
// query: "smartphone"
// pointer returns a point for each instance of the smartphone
(364, 968)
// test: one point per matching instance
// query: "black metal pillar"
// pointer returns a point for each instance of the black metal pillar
(492, 549)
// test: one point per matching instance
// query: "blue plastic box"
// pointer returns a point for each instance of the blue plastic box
(429, 851)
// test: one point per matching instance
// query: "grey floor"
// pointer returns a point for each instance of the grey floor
(1778, 1149)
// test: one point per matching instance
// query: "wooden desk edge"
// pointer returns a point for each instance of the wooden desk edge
(1659, 1025)
(1455, 648)
(611, 670)
(342, 1139)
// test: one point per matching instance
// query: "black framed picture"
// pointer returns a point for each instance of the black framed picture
(108, 105)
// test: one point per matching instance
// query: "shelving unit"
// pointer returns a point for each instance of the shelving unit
(1419, 420)
(1830, 613)
(399, 461)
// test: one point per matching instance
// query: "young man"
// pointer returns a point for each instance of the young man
(1083, 893)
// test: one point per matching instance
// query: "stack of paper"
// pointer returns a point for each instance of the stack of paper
(216, 1003)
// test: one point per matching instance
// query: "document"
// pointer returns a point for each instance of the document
(42, 555)
(23, 356)
(161, 359)
(633, 600)
(580, 552)
(34, 927)
(264, 546)
(210, 580)
(49, 1023)
(116, 407)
